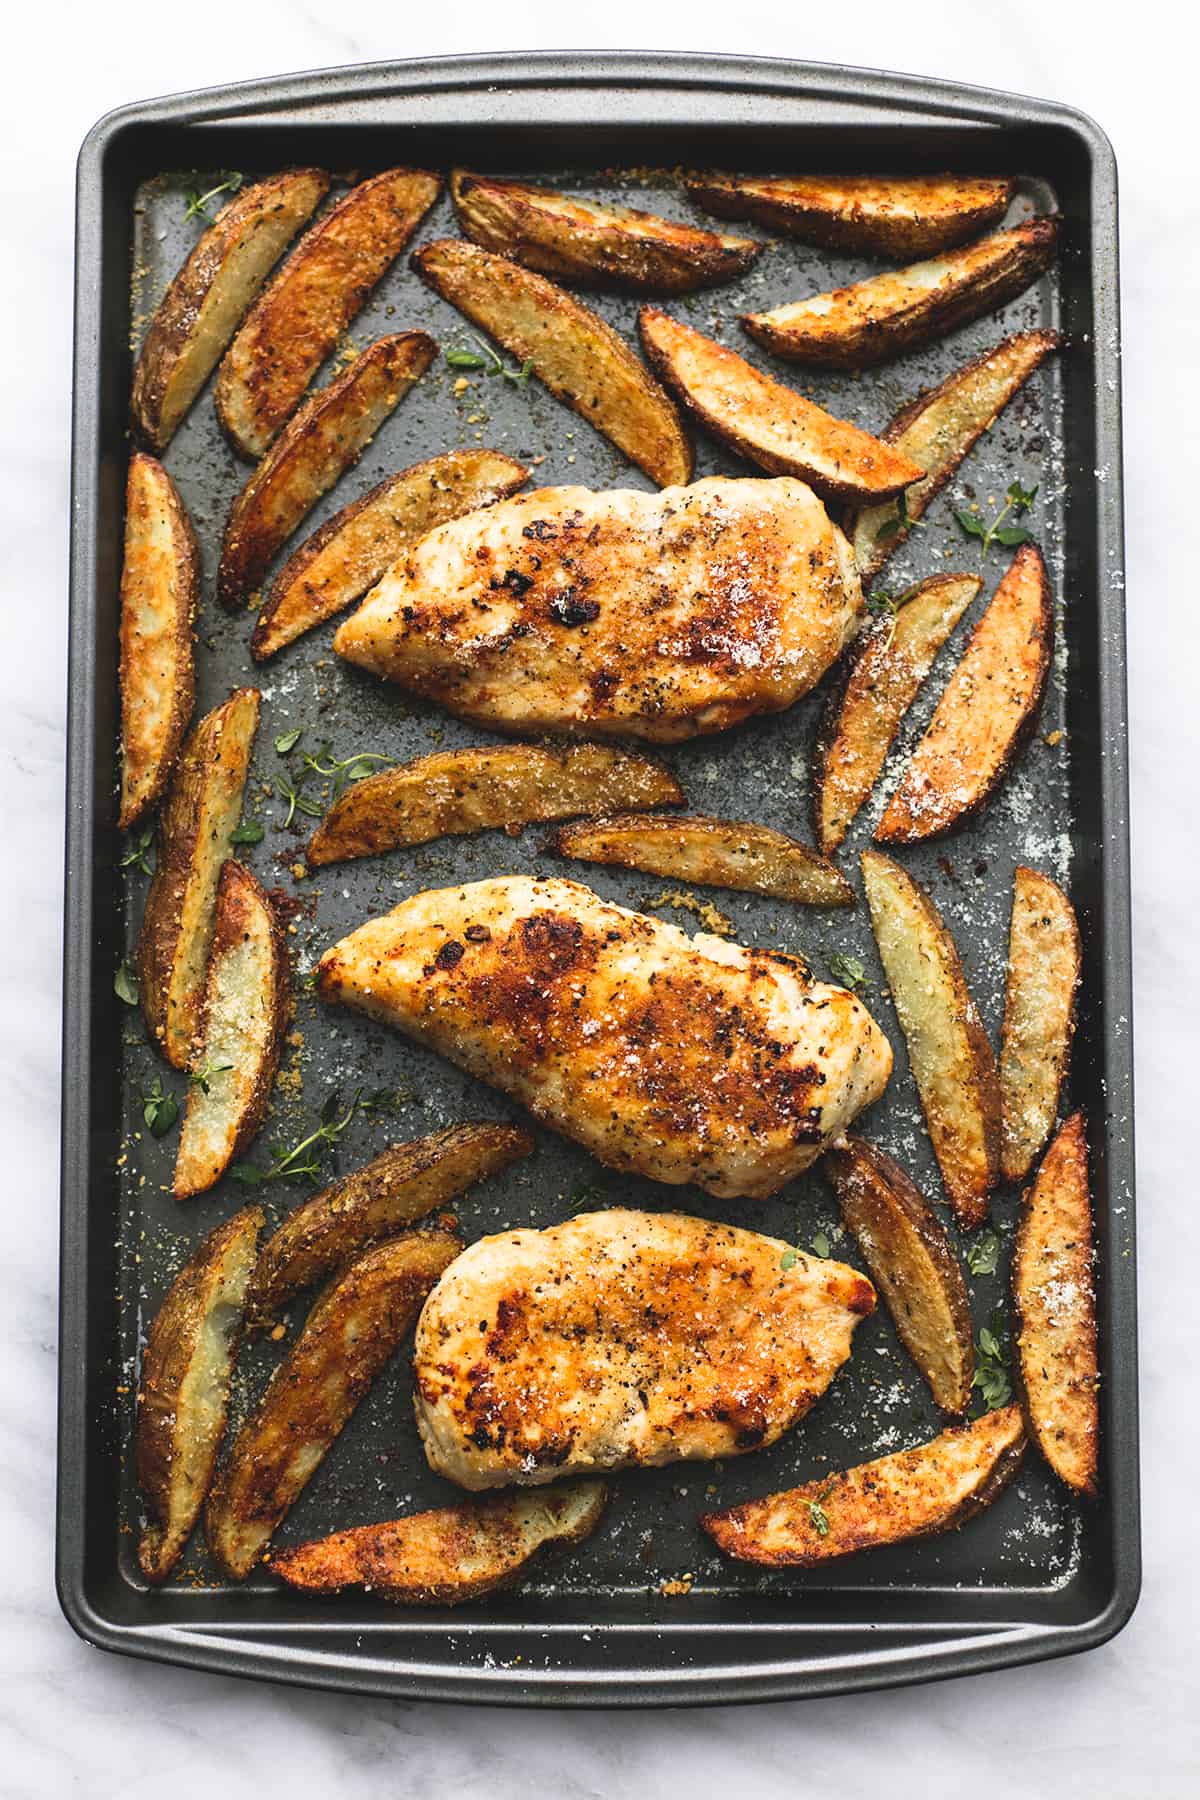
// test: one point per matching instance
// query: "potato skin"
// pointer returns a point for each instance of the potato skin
(201, 309)
(581, 359)
(455, 791)
(455, 1554)
(715, 852)
(348, 1336)
(1045, 952)
(1057, 1354)
(592, 245)
(970, 1170)
(313, 451)
(877, 320)
(935, 1487)
(896, 216)
(356, 548)
(770, 425)
(402, 1184)
(160, 590)
(194, 827)
(986, 713)
(215, 1276)
(882, 1206)
(878, 682)
(969, 400)
(242, 910)
(319, 292)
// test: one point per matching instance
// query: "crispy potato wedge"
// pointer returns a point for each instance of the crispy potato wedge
(160, 588)
(183, 1394)
(915, 1493)
(396, 1188)
(770, 425)
(912, 1263)
(320, 290)
(906, 215)
(987, 710)
(582, 360)
(1044, 961)
(862, 715)
(508, 785)
(201, 309)
(714, 852)
(876, 320)
(445, 1557)
(948, 1049)
(1055, 1301)
(938, 429)
(592, 245)
(201, 812)
(348, 1336)
(357, 547)
(247, 1005)
(319, 444)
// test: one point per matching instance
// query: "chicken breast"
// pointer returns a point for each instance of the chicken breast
(685, 1059)
(649, 615)
(624, 1337)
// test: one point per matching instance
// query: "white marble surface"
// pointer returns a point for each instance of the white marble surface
(1120, 1722)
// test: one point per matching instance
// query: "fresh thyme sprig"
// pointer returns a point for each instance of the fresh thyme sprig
(486, 359)
(198, 202)
(902, 521)
(304, 1159)
(137, 851)
(982, 1255)
(848, 970)
(160, 1109)
(341, 771)
(202, 1076)
(991, 1368)
(1017, 501)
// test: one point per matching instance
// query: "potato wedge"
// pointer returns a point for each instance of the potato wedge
(592, 245)
(357, 547)
(396, 1188)
(582, 360)
(938, 429)
(1054, 1297)
(348, 1336)
(319, 444)
(183, 1393)
(770, 425)
(904, 215)
(726, 853)
(160, 588)
(876, 320)
(201, 309)
(445, 1557)
(202, 809)
(987, 710)
(320, 290)
(912, 1263)
(247, 1005)
(1044, 961)
(863, 713)
(508, 785)
(948, 1049)
(915, 1493)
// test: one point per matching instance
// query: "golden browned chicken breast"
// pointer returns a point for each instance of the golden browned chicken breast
(649, 615)
(685, 1059)
(624, 1337)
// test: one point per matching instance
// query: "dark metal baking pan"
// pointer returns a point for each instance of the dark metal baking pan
(646, 1612)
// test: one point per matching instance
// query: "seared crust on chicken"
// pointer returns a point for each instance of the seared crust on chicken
(685, 1059)
(657, 616)
(624, 1338)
